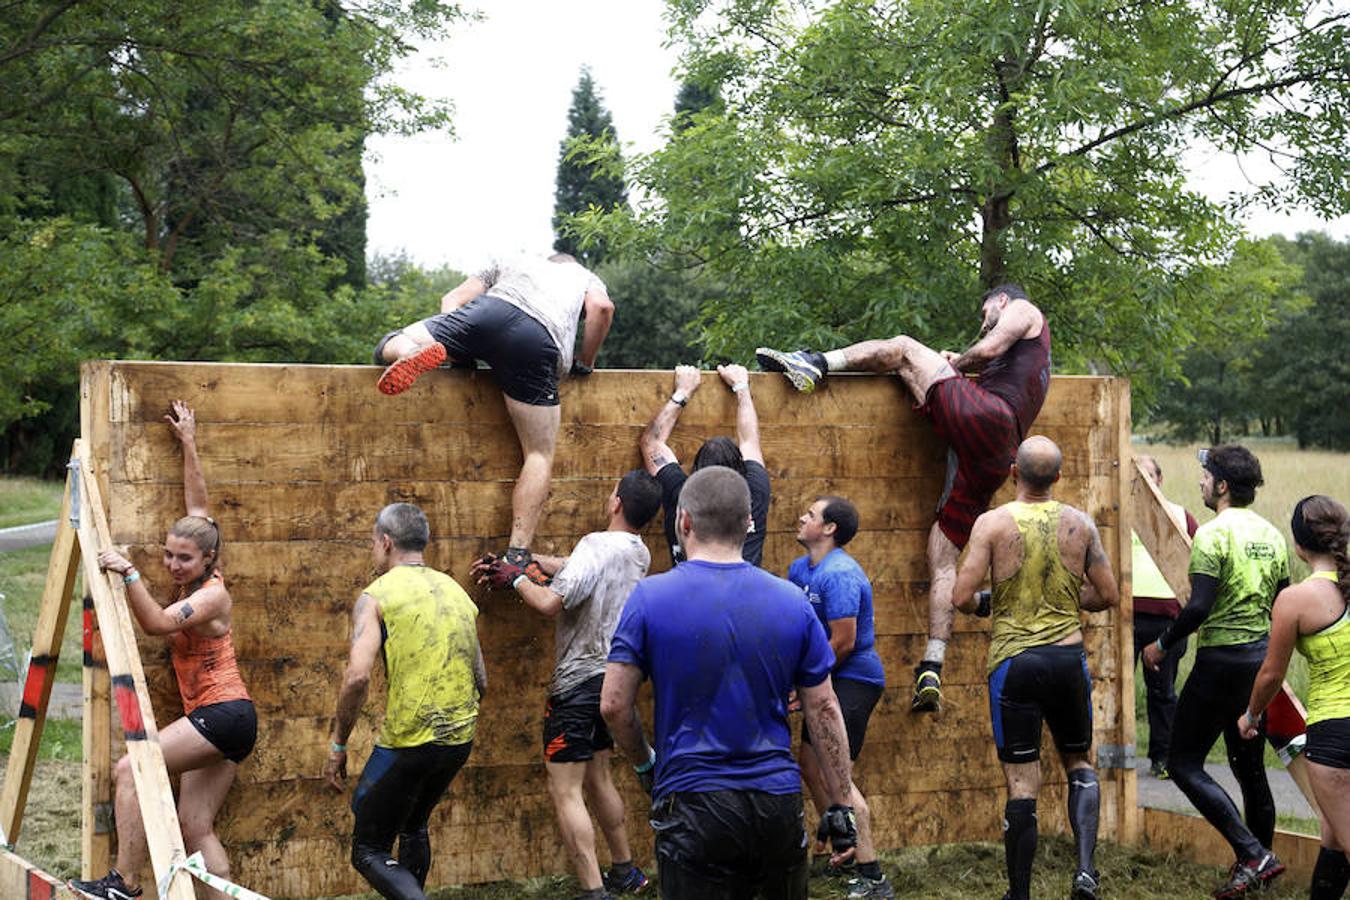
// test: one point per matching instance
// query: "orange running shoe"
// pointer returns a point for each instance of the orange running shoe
(403, 371)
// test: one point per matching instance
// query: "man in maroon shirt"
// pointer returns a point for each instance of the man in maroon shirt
(983, 424)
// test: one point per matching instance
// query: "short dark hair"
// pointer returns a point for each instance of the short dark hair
(640, 495)
(720, 451)
(406, 526)
(1240, 468)
(1014, 292)
(843, 515)
(718, 502)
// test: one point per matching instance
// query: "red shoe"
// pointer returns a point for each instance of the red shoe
(403, 371)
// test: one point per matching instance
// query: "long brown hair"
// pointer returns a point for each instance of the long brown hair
(205, 534)
(1322, 525)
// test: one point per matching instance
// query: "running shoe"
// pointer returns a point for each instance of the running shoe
(1250, 875)
(804, 368)
(634, 882)
(109, 887)
(1159, 771)
(1086, 886)
(927, 690)
(403, 371)
(864, 887)
(847, 869)
(519, 556)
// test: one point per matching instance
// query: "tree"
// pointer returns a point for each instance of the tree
(586, 183)
(879, 163)
(656, 323)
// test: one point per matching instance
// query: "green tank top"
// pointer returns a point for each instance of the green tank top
(1038, 605)
(430, 645)
(1247, 555)
(1328, 655)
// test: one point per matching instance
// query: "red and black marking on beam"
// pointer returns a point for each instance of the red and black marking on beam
(88, 630)
(41, 671)
(128, 707)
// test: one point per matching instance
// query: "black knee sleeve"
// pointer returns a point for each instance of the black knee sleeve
(414, 854)
(1085, 800)
(379, 348)
(1019, 844)
(1330, 876)
(385, 874)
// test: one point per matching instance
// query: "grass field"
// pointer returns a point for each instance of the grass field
(27, 500)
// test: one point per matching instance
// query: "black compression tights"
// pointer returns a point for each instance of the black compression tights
(1214, 696)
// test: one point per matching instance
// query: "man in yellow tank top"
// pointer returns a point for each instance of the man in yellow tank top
(1046, 562)
(424, 626)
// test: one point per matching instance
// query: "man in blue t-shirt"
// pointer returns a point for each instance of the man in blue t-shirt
(841, 597)
(724, 643)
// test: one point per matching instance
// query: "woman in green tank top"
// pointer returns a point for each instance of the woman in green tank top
(1314, 616)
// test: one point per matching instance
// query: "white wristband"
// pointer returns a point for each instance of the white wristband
(679, 398)
(740, 386)
(515, 582)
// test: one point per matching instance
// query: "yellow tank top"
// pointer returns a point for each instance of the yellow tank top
(1328, 655)
(1038, 605)
(430, 645)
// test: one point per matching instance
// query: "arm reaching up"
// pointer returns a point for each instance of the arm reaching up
(184, 425)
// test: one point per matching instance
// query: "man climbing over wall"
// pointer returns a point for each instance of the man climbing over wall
(982, 423)
(724, 643)
(519, 316)
(743, 455)
(587, 594)
(423, 626)
(840, 594)
(1045, 561)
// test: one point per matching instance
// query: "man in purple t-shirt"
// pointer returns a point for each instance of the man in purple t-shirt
(724, 643)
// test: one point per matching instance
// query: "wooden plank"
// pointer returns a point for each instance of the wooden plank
(1162, 536)
(1191, 837)
(96, 788)
(154, 793)
(21, 880)
(53, 610)
(1126, 828)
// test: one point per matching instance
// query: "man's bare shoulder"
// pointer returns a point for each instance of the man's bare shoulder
(1028, 314)
(994, 522)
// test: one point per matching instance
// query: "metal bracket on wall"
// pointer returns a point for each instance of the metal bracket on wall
(1115, 756)
(74, 467)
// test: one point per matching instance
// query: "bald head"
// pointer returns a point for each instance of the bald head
(1038, 462)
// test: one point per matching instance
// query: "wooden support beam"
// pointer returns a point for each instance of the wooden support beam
(21, 880)
(53, 610)
(96, 811)
(154, 793)
(1128, 826)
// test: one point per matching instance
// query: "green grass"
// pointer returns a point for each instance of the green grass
(22, 574)
(62, 739)
(27, 500)
(1290, 474)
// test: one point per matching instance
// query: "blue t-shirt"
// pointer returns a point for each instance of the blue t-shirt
(837, 588)
(723, 644)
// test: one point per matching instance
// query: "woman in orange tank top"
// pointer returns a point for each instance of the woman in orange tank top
(219, 726)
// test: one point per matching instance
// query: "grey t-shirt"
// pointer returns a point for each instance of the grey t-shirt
(548, 292)
(594, 585)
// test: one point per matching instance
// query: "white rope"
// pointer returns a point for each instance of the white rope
(195, 866)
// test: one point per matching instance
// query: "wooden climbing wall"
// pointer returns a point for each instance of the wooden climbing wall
(300, 458)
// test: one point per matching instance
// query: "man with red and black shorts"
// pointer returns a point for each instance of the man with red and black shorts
(585, 598)
(519, 315)
(983, 422)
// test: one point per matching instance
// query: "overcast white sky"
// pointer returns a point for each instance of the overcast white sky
(490, 189)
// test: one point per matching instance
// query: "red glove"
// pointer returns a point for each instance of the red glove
(501, 574)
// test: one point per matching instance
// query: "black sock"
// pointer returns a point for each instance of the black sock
(621, 869)
(1019, 843)
(870, 870)
(1085, 799)
(1330, 876)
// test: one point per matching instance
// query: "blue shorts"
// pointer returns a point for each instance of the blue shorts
(1047, 684)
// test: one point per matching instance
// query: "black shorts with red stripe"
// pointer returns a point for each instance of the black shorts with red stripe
(982, 432)
(574, 731)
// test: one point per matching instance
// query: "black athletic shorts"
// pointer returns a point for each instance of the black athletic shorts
(231, 727)
(573, 728)
(517, 346)
(1329, 743)
(728, 845)
(1049, 684)
(857, 699)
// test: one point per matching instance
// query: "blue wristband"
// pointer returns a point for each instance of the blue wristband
(132, 577)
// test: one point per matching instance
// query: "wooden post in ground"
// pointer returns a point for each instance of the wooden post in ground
(1129, 827)
(154, 793)
(96, 815)
(37, 687)
(1170, 546)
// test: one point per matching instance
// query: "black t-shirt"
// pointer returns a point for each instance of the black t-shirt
(672, 478)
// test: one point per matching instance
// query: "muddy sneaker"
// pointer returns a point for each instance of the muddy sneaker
(1159, 771)
(1250, 875)
(635, 881)
(109, 887)
(405, 370)
(804, 368)
(1086, 886)
(870, 888)
(927, 690)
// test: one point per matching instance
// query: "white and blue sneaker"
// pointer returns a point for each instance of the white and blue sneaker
(804, 368)
(109, 887)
